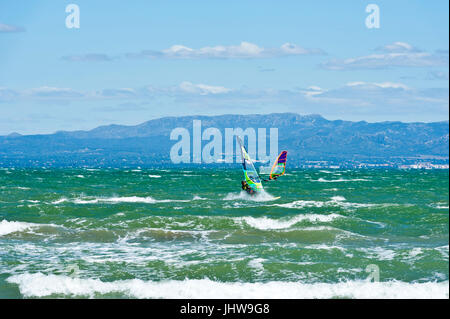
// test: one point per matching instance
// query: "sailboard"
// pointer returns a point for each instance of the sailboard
(250, 173)
(279, 167)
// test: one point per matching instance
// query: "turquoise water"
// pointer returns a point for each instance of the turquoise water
(192, 234)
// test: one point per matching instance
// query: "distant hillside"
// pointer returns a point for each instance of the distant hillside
(307, 138)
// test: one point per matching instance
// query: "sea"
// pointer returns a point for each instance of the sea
(192, 233)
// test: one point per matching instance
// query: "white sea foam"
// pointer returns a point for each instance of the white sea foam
(325, 247)
(256, 264)
(265, 223)
(338, 198)
(443, 250)
(154, 176)
(379, 253)
(334, 201)
(128, 199)
(322, 180)
(302, 204)
(59, 201)
(115, 200)
(413, 253)
(7, 227)
(41, 285)
(34, 201)
(259, 197)
(439, 205)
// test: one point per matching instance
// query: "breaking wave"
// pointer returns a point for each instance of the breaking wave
(322, 180)
(338, 201)
(115, 200)
(41, 285)
(259, 197)
(9, 227)
(265, 223)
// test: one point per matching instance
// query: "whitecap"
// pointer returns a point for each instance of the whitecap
(7, 227)
(439, 205)
(41, 285)
(265, 223)
(259, 197)
(59, 201)
(115, 200)
(322, 180)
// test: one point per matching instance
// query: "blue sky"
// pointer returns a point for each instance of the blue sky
(128, 63)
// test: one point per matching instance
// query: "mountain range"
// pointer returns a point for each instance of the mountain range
(305, 137)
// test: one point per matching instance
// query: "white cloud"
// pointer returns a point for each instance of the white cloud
(313, 90)
(397, 54)
(116, 93)
(10, 28)
(202, 89)
(53, 92)
(383, 96)
(368, 100)
(91, 57)
(245, 50)
(384, 85)
(398, 47)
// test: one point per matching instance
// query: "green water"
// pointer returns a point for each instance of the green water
(192, 233)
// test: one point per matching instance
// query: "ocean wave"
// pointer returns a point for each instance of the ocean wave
(443, 250)
(322, 180)
(325, 247)
(265, 223)
(41, 285)
(301, 204)
(154, 176)
(439, 205)
(115, 200)
(378, 253)
(9, 227)
(336, 201)
(59, 201)
(257, 264)
(259, 197)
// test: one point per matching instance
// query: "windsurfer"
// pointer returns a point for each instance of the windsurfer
(247, 188)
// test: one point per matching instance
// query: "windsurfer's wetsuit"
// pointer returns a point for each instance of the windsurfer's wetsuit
(247, 188)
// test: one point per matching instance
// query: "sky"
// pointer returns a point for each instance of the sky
(129, 62)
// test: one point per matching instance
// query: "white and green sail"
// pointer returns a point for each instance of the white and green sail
(250, 174)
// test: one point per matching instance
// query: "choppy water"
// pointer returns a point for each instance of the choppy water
(193, 234)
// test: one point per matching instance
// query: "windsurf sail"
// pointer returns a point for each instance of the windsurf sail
(250, 173)
(279, 167)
